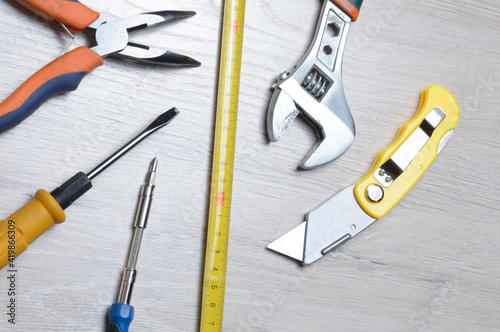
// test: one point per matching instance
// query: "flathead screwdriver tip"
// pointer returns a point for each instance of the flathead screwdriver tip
(163, 119)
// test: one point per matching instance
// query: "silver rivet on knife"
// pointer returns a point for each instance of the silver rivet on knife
(375, 193)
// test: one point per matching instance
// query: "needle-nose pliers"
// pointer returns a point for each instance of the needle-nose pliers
(66, 72)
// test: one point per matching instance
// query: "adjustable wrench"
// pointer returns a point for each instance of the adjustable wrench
(314, 87)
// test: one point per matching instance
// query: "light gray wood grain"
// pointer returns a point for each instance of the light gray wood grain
(432, 264)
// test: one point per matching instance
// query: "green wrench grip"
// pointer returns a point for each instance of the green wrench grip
(350, 7)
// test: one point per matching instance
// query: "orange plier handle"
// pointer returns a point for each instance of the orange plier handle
(61, 75)
(73, 14)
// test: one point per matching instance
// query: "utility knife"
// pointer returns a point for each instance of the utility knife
(394, 172)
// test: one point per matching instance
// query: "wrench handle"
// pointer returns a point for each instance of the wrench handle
(350, 7)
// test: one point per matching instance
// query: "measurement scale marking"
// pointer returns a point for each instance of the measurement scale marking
(214, 279)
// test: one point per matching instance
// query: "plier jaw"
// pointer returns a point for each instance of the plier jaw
(112, 38)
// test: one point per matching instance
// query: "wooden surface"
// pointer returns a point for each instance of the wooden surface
(432, 264)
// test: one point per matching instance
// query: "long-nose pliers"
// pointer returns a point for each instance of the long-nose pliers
(66, 72)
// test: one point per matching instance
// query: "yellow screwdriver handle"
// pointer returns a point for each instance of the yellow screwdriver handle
(398, 167)
(26, 224)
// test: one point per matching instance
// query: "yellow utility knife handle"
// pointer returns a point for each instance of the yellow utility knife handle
(377, 194)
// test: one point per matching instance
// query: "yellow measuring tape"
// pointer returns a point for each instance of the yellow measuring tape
(214, 278)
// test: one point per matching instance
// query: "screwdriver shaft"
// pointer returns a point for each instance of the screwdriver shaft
(161, 121)
(140, 223)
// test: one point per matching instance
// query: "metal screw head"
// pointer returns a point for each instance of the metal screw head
(374, 193)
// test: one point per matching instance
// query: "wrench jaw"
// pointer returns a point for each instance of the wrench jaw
(314, 89)
(331, 119)
(334, 126)
(280, 115)
(331, 146)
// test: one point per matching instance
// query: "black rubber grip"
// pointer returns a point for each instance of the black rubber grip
(112, 327)
(72, 189)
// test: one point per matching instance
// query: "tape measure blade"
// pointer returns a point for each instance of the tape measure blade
(214, 278)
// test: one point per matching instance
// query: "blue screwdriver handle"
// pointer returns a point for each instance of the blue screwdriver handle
(120, 316)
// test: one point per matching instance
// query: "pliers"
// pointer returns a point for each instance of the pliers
(66, 72)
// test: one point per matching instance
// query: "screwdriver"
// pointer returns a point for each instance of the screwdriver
(121, 313)
(29, 222)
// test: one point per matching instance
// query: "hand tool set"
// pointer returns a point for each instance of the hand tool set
(66, 72)
(45, 210)
(313, 88)
(121, 313)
